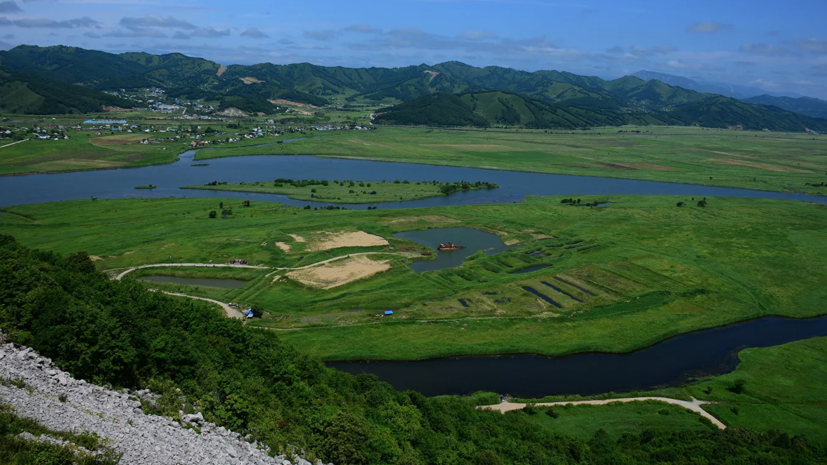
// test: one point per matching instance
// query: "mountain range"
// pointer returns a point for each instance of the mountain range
(494, 95)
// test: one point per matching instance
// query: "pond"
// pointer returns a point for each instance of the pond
(668, 363)
(472, 241)
(514, 186)
(209, 282)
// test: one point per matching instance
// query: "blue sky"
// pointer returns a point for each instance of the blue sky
(777, 46)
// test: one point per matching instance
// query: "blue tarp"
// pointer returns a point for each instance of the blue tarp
(388, 312)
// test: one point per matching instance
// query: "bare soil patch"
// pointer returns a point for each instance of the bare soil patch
(329, 241)
(125, 139)
(284, 247)
(281, 101)
(340, 272)
(761, 166)
(250, 80)
(297, 238)
(221, 70)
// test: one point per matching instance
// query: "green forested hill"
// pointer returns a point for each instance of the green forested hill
(434, 109)
(508, 109)
(500, 96)
(35, 95)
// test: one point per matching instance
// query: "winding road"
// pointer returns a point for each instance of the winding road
(693, 405)
(195, 265)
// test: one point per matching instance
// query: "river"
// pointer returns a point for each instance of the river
(514, 186)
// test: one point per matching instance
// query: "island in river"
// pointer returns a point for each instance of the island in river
(346, 191)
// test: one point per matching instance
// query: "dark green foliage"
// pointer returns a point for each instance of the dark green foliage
(738, 387)
(20, 93)
(433, 109)
(248, 380)
(213, 214)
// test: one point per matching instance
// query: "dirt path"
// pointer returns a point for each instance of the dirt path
(694, 405)
(229, 311)
(13, 143)
(199, 265)
(339, 258)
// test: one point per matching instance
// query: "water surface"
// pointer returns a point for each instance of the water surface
(668, 363)
(514, 186)
(473, 240)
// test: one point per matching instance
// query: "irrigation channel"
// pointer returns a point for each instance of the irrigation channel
(672, 362)
(514, 186)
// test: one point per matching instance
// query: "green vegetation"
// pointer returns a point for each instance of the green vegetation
(652, 270)
(489, 108)
(251, 382)
(433, 110)
(20, 93)
(615, 419)
(781, 386)
(349, 191)
(17, 451)
(749, 160)
(150, 187)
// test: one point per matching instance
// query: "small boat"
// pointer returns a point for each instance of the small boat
(449, 246)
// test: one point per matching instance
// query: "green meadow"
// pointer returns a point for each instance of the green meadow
(751, 160)
(349, 191)
(621, 277)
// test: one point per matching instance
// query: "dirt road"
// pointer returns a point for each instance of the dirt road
(229, 311)
(197, 265)
(694, 405)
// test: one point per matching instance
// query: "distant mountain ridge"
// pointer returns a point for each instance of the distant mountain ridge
(809, 106)
(709, 87)
(495, 95)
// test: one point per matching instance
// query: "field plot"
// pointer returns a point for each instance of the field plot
(577, 279)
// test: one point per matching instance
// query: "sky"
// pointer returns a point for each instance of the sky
(774, 45)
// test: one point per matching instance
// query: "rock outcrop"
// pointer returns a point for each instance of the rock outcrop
(61, 403)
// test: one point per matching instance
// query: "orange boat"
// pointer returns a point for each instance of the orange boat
(449, 246)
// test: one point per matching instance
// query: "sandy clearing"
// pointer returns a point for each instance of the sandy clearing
(761, 166)
(433, 74)
(284, 247)
(95, 258)
(221, 70)
(297, 238)
(694, 405)
(250, 80)
(328, 241)
(650, 166)
(340, 273)
(281, 101)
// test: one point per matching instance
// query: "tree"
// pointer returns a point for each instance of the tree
(702, 203)
(213, 214)
(345, 440)
(680, 204)
(739, 386)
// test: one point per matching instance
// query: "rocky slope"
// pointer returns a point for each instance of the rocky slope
(57, 401)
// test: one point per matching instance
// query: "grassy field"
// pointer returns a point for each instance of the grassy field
(85, 151)
(784, 389)
(622, 277)
(616, 419)
(347, 191)
(752, 160)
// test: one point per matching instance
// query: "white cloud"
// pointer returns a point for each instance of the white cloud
(811, 45)
(9, 7)
(478, 35)
(765, 49)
